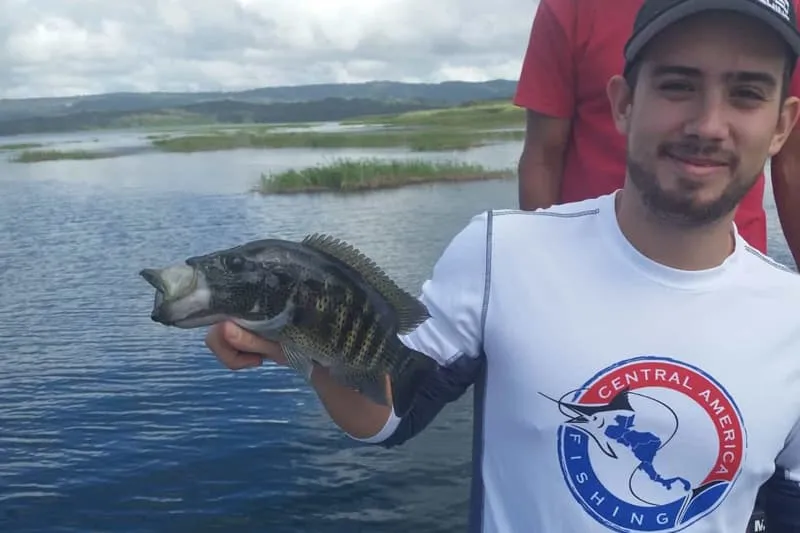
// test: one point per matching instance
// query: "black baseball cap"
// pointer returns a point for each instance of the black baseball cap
(656, 15)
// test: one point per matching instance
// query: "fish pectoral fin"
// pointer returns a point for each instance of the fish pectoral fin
(411, 312)
(297, 360)
(608, 450)
(270, 329)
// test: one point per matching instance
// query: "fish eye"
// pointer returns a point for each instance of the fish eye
(234, 263)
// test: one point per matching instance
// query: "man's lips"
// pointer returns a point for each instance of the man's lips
(699, 165)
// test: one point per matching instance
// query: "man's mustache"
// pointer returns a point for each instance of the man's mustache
(695, 149)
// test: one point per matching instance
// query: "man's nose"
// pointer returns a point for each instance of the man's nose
(710, 120)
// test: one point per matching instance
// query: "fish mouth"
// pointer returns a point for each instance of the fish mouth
(176, 295)
(152, 276)
(174, 282)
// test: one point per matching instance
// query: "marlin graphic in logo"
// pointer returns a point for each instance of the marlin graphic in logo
(614, 422)
(594, 419)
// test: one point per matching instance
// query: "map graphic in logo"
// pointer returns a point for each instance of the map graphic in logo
(650, 444)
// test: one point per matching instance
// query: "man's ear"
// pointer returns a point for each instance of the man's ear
(790, 110)
(620, 96)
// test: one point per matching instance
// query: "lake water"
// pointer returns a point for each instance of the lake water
(111, 423)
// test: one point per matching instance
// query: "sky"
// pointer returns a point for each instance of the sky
(70, 47)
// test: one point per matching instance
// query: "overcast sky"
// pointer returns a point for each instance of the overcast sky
(65, 47)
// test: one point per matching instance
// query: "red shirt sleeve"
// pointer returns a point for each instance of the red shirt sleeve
(546, 82)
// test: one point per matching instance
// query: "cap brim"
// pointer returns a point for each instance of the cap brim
(692, 7)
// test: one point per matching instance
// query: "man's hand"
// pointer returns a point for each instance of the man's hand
(237, 348)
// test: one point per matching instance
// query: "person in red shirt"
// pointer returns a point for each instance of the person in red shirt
(572, 150)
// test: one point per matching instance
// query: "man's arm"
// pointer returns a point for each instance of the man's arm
(785, 171)
(455, 296)
(541, 163)
(782, 491)
(546, 91)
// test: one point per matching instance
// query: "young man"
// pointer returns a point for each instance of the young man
(635, 361)
(572, 151)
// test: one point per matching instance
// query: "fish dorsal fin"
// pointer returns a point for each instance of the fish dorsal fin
(410, 311)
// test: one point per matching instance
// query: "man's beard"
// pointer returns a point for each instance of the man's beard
(679, 208)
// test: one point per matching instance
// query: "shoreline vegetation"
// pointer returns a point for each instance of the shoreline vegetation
(19, 146)
(416, 141)
(457, 128)
(35, 156)
(477, 115)
(453, 128)
(316, 102)
(369, 174)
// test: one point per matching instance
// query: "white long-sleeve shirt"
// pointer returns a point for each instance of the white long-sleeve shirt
(612, 393)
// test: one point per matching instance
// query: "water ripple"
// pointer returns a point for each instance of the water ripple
(111, 422)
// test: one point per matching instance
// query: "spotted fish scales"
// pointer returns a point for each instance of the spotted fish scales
(323, 300)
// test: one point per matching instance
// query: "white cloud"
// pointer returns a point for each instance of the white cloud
(60, 47)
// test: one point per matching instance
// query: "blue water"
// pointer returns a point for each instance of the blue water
(112, 423)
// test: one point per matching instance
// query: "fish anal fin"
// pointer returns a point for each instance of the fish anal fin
(411, 312)
(298, 360)
(370, 384)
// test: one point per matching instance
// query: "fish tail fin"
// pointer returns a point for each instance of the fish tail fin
(407, 379)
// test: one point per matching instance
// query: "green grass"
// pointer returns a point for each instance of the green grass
(19, 146)
(217, 128)
(415, 140)
(34, 156)
(488, 115)
(347, 175)
(455, 128)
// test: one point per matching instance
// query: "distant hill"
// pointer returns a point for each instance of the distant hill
(445, 93)
(219, 111)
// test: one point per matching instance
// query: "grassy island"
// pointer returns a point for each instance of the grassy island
(423, 140)
(349, 175)
(453, 128)
(473, 116)
(34, 156)
(19, 146)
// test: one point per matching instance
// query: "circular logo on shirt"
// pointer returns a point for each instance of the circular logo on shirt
(650, 444)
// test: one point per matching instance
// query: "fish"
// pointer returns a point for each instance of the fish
(322, 299)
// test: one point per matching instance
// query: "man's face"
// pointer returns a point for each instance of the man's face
(705, 115)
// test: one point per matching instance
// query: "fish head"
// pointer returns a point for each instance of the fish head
(237, 283)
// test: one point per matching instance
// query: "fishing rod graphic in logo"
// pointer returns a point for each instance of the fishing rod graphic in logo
(650, 444)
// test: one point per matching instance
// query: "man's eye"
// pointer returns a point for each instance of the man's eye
(676, 86)
(749, 93)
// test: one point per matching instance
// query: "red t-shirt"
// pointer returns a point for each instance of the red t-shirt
(571, 55)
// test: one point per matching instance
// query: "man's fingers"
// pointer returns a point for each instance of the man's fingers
(244, 341)
(230, 356)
